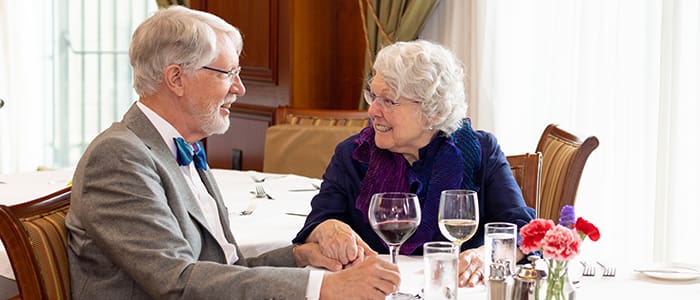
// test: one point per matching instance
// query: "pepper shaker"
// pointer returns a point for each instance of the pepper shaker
(524, 283)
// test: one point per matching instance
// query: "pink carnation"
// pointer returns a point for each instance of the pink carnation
(561, 243)
(533, 233)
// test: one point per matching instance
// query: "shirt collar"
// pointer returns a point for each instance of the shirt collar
(166, 130)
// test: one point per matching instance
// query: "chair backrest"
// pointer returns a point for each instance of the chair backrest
(527, 170)
(302, 141)
(319, 117)
(34, 235)
(563, 157)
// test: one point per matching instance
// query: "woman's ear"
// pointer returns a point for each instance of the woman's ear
(172, 78)
(437, 118)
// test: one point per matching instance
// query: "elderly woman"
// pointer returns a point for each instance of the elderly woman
(418, 141)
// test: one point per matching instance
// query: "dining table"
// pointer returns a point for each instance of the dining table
(274, 223)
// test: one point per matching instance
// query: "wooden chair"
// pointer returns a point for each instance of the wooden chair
(527, 170)
(302, 141)
(34, 236)
(319, 117)
(563, 157)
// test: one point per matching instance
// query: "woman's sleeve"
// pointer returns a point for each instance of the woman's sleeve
(503, 199)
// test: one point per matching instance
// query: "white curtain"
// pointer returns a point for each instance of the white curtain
(25, 84)
(625, 71)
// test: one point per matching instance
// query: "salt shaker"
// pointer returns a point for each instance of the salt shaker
(496, 285)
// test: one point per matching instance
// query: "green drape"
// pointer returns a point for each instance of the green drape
(389, 21)
(166, 3)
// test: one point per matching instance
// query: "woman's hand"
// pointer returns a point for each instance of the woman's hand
(309, 254)
(471, 267)
(338, 241)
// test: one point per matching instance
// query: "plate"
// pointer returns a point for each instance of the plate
(666, 271)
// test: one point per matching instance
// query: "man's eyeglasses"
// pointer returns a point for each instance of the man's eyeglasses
(230, 75)
(384, 103)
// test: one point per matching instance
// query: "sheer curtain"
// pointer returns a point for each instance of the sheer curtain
(25, 83)
(623, 70)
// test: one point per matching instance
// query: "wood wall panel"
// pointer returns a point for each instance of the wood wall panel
(258, 23)
(350, 50)
(301, 53)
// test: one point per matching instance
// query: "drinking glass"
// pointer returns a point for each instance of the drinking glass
(441, 260)
(499, 244)
(394, 217)
(458, 216)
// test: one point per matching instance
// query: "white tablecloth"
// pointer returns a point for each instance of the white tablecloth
(625, 285)
(275, 222)
(269, 227)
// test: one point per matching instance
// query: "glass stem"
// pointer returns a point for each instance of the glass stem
(393, 251)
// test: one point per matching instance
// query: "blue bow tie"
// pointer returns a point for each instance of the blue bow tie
(187, 152)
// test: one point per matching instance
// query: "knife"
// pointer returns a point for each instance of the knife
(667, 271)
(296, 214)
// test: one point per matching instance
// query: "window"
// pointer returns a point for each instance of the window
(65, 78)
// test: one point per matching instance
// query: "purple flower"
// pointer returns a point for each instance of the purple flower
(567, 217)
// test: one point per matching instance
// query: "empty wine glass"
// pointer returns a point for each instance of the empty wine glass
(394, 217)
(458, 216)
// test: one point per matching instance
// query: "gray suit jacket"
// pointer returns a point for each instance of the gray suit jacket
(135, 230)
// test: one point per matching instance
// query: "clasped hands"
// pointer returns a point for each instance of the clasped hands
(335, 246)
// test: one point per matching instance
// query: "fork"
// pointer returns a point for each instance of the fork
(588, 270)
(251, 208)
(262, 179)
(607, 271)
(260, 192)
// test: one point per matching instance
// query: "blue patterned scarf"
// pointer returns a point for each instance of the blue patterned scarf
(456, 160)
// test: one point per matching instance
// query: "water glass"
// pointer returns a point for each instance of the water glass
(441, 261)
(500, 240)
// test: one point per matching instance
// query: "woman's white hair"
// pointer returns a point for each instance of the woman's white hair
(176, 35)
(429, 73)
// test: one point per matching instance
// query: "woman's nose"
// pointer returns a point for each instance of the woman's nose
(374, 111)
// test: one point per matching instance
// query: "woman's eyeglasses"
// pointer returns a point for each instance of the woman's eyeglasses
(384, 103)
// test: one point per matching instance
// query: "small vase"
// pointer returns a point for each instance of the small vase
(557, 285)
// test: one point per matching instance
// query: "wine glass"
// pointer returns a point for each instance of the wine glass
(458, 216)
(394, 217)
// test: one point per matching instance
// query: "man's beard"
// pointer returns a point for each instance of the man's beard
(211, 119)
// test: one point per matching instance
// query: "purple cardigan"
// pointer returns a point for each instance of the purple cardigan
(500, 199)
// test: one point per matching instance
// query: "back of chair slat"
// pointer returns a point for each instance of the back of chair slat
(527, 170)
(35, 238)
(320, 117)
(563, 157)
(302, 140)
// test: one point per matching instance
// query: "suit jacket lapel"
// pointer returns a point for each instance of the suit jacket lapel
(135, 120)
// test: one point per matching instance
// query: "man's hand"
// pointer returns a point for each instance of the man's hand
(370, 279)
(338, 241)
(471, 267)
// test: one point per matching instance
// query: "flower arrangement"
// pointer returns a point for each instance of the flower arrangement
(558, 244)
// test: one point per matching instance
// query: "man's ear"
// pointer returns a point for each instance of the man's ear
(172, 78)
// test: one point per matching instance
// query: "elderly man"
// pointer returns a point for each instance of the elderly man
(147, 219)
